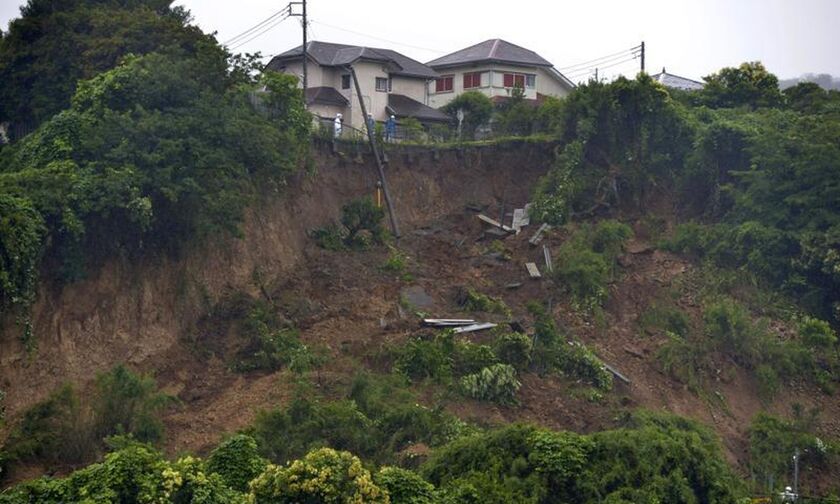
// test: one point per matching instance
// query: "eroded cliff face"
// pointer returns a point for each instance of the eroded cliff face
(136, 311)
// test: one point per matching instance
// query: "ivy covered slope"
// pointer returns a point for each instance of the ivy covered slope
(161, 149)
(755, 172)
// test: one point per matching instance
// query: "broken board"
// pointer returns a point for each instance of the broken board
(532, 270)
(615, 372)
(474, 327)
(538, 236)
(495, 223)
(448, 322)
(520, 218)
(548, 264)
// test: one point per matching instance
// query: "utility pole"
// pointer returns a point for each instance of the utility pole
(643, 55)
(302, 15)
(372, 139)
(596, 74)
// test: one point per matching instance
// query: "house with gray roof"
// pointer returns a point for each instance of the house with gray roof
(676, 82)
(495, 67)
(391, 83)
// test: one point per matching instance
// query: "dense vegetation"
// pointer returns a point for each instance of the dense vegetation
(161, 149)
(651, 458)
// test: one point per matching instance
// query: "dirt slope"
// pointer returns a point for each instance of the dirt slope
(150, 314)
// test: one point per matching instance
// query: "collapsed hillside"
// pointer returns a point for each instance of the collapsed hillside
(166, 315)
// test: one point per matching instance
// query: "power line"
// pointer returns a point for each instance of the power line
(258, 25)
(591, 63)
(581, 73)
(605, 61)
(378, 38)
(267, 29)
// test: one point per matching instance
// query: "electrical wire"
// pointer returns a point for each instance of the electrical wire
(267, 29)
(582, 73)
(591, 63)
(438, 51)
(257, 26)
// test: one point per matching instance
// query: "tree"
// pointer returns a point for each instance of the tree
(749, 85)
(55, 44)
(477, 108)
(323, 476)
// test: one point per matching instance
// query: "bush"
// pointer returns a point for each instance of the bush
(773, 442)
(421, 359)
(608, 238)
(269, 345)
(362, 215)
(579, 362)
(359, 229)
(477, 107)
(237, 461)
(584, 274)
(472, 300)
(404, 486)
(469, 358)
(497, 383)
(325, 475)
(67, 429)
(816, 333)
(514, 349)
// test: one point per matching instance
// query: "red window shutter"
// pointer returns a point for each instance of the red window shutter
(520, 81)
(449, 83)
(467, 81)
(439, 85)
(508, 80)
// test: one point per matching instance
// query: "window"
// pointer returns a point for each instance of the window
(472, 80)
(345, 81)
(520, 80)
(444, 84)
(383, 84)
(530, 81)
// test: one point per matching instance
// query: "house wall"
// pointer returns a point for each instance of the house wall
(492, 83)
(366, 72)
(409, 86)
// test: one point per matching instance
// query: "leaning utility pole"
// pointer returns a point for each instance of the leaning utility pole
(372, 139)
(643, 55)
(302, 15)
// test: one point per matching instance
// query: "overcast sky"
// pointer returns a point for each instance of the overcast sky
(689, 37)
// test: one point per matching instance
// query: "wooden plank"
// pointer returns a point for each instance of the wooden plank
(538, 236)
(448, 322)
(547, 254)
(615, 372)
(532, 270)
(520, 219)
(495, 223)
(474, 327)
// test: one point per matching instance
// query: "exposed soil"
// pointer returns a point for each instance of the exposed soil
(154, 314)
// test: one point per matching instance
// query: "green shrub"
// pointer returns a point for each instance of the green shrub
(469, 358)
(269, 345)
(404, 486)
(684, 359)
(514, 349)
(330, 237)
(362, 215)
(497, 383)
(421, 359)
(21, 233)
(577, 361)
(237, 461)
(773, 442)
(67, 429)
(582, 273)
(477, 108)
(477, 302)
(816, 333)
(608, 238)
(666, 317)
(324, 475)
(728, 323)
